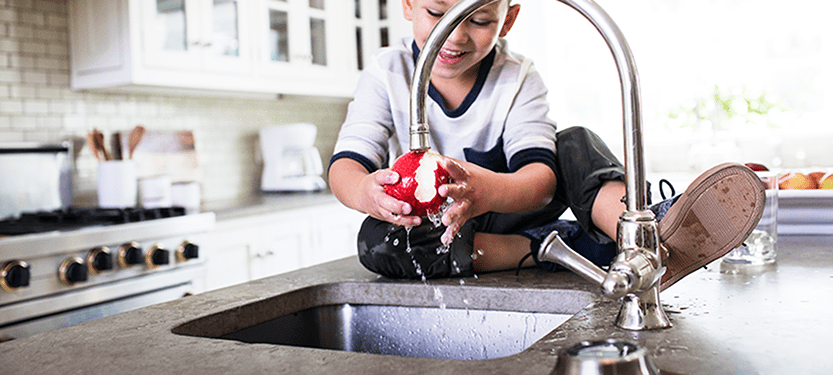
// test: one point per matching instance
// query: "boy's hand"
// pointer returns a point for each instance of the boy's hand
(382, 206)
(465, 193)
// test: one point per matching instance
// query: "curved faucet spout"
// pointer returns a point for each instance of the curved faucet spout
(419, 134)
(637, 269)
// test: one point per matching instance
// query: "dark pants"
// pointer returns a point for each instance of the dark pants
(583, 164)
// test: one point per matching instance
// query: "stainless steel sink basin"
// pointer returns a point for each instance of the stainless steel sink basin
(412, 320)
(427, 332)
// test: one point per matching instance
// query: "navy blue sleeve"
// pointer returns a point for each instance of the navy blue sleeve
(365, 162)
(532, 155)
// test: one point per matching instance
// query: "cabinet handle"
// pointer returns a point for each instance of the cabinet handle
(201, 44)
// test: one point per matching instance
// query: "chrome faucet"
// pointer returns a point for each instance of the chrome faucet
(637, 269)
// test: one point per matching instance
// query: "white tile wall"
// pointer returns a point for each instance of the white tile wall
(36, 105)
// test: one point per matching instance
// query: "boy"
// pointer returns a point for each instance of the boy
(488, 117)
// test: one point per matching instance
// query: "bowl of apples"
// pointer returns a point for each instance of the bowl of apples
(805, 200)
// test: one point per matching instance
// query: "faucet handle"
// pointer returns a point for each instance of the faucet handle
(632, 271)
(617, 283)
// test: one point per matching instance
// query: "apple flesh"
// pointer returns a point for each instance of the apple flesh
(420, 174)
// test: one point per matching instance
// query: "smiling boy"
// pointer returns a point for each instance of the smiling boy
(489, 117)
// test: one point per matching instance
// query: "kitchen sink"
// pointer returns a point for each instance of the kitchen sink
(401, 319)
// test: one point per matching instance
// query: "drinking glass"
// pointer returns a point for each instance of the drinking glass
(759, 248)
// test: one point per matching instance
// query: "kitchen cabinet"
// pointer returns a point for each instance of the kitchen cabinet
(209, 36)
(302, 42)
(377, 23)
(221, 47)
(262, 245)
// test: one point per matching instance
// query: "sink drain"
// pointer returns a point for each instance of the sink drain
(609, 356)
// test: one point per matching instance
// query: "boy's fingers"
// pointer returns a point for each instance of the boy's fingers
(387, 177)
(450, 232)
(407, 221)
(457, 191)
(457, 172)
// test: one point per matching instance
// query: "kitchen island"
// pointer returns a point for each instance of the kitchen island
(773, 320)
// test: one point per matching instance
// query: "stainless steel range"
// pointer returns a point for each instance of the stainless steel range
(66, 265)
(63, 277)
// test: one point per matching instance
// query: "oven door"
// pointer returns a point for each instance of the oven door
(27, 318)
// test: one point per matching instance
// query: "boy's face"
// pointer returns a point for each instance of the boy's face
(470, 42)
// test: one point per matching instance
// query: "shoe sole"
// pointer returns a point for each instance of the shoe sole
(713, 216)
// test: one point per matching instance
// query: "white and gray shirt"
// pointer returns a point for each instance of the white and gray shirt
(502, 124)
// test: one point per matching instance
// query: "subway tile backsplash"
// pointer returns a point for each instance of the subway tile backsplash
(36, 105)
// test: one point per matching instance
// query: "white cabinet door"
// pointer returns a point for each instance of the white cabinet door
(335, 233)
(302, 43)
(202, 35)
(227, 261)
(281, 243)
(230, 46)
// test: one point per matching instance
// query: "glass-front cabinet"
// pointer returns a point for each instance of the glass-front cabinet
(300, 39)
(306, 47)
(377, 23)
(209, 35)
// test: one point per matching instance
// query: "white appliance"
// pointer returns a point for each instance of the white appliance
(290, 161)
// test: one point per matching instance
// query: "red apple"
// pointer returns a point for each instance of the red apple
(757, 167)
(420, 174)
(823, 180)
(796, 180)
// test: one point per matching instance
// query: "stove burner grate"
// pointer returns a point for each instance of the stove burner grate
(80, 217)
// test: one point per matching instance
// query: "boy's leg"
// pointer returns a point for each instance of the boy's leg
(588, 176)
(495, 252)
(590, 182)
(393, 251)
(715, 214)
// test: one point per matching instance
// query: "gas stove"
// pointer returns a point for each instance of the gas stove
(67, 266)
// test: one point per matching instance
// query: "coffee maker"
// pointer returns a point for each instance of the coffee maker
(290, 161)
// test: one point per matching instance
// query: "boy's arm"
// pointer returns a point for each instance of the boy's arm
(477, 190)
(360, 190)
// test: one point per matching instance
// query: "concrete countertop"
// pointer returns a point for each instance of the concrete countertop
(774, 320)
(265, 203)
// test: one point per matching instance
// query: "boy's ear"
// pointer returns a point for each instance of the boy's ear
(511, 16)
(408, 9)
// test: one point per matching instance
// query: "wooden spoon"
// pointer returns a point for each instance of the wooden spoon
(93, 146)
(98, 137)
(133, 139)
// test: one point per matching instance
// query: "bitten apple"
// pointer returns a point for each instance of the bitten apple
(420, 174)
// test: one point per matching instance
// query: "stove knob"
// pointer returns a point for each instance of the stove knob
(14, 275)
(187, 251)
(72, 271)
(157, 256)
(99, 260)
(130, 254)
